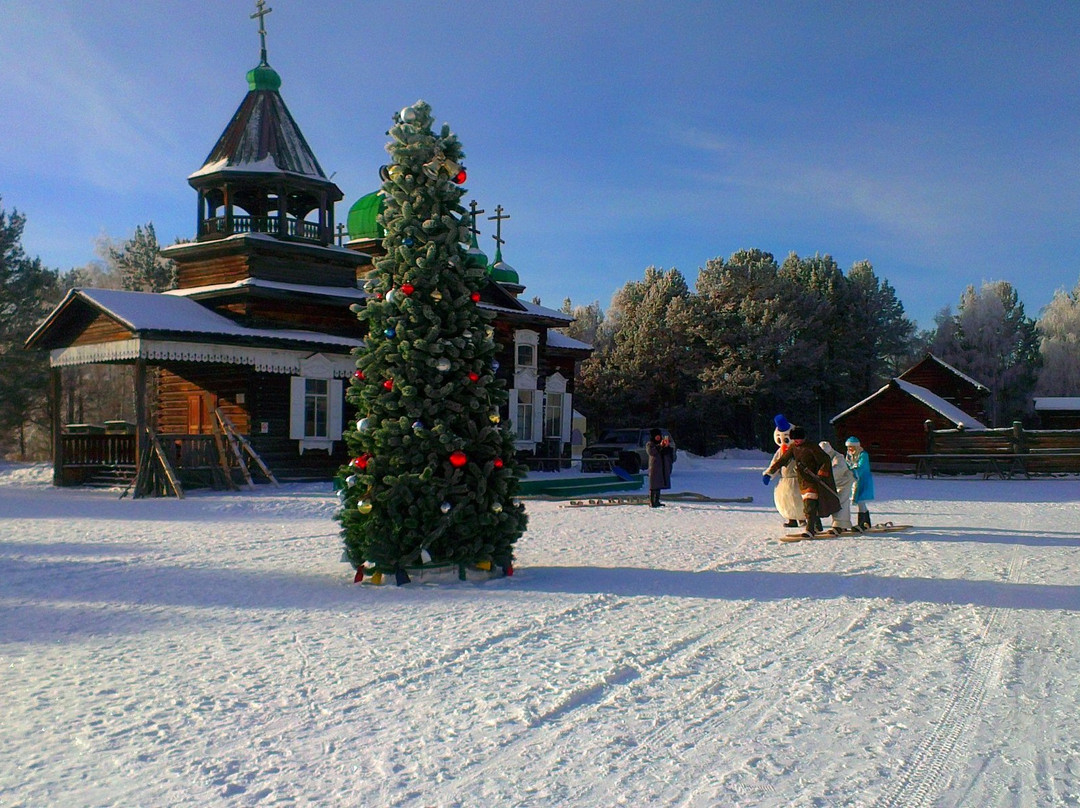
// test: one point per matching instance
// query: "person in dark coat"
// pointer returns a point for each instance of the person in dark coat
(661, 458)
(816, 484)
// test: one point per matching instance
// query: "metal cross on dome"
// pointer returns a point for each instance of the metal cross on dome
(261, 12)
(473, 213)
(498, 218)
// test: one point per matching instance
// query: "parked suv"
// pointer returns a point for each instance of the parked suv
(621, 447)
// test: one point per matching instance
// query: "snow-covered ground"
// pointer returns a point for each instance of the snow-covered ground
(214, 651)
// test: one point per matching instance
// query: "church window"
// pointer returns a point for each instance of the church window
(524, 422)
(316, 408)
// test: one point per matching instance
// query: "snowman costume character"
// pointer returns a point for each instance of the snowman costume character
(786, 495)
(844, 478)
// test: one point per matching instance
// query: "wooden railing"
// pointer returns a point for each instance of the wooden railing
(295, 228)
(186, 452)
(190, 451)
(89, 451)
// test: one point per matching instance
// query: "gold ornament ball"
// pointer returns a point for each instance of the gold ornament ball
(364, 506)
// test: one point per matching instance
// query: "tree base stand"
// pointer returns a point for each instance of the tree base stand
(437, 574)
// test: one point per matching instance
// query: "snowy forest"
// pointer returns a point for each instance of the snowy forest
(755, 337)
(713, 361)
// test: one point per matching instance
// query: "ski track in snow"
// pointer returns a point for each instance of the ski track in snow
(215, 652)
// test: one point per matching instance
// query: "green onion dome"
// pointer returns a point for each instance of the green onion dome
(363, 222)
(263, 77)
(503, 273)
(475, 257)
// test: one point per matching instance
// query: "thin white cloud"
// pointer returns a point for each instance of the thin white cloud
(93, 119)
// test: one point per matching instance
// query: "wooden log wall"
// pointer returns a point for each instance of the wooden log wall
(211, 271)
(948, 386)
(890, 428)
(101, 329)
(218, 385)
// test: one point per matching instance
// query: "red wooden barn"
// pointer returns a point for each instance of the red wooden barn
(891, 423)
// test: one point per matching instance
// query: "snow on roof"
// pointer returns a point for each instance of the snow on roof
(262, 137)
(1058, 403)
(855, 406)
(149, 311)
(931, 400)
(543, 311)
(297, 245)
(556, 339)
(299, 288)
(940, 405)
(530, 309)
(963, 376)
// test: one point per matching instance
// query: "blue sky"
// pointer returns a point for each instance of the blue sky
(937, 141)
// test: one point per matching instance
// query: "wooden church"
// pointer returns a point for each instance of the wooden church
(246, 361)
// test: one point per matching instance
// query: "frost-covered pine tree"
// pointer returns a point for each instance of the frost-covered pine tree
(433, 475)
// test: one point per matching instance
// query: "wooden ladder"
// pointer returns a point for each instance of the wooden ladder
(154, 455)
(238, 442)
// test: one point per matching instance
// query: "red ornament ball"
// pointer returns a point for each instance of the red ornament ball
(388, 384)
(460, 177)
(475, 297)
(458, 459)
(407, 289)
(474, 377)
(498, 462)
(358, 374)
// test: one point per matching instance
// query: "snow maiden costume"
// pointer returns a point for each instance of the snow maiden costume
(786, 494)
(859, 463)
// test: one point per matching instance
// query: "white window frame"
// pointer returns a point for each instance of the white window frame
(553, 402)
(316, 368)
(526, 337)
(312, 409)
(524, 420)
(556, 386)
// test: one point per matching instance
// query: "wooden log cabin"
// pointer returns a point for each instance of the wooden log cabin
(261, 326)
(891, 423)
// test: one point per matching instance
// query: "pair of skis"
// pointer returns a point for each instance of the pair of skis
(884, 527)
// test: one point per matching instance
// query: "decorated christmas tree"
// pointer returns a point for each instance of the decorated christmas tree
(433, 473)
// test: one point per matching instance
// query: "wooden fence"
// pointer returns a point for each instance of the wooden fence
(1002, 452)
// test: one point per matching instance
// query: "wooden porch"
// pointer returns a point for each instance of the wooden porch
(157, 464)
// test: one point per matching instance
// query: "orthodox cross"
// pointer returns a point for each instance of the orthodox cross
(474, 212)
(498, 218)
(261, 13)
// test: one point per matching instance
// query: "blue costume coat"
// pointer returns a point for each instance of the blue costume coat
(864, 479)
